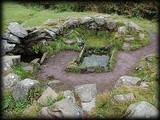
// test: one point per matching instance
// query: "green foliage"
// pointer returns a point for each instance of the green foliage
(113, 58)
(18, 69)
(34, 93)
(52, 101)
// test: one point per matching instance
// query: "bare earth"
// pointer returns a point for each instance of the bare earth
(55, 65)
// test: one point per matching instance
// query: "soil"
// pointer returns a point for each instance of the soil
(55, 65)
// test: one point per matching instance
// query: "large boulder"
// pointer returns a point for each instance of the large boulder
(49, 93)
(12, 60)
(86, 92)
(7, 47)
(128, 81)
(100, 20)
(10, 80)
(11, 38)
(68, 108)
(141, 109)
(21, 90)
(17, 30)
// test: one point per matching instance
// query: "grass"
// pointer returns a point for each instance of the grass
(105, 105)
(31, 16)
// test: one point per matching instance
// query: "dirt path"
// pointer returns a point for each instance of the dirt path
(55, 65)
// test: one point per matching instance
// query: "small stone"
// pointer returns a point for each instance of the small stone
(128, 81)
(86, 92)
(7, 47)
(122, 30)
(53, 83)
(69, 42)
(28, 68)
(111, 25)
(6, 69)
(49, 22)
(87, 107)
(144, 85)
(17, 30)
(86, 19)
(100, 20)
(135, 26)
(129, 38)
(11, 38)
(126, 46)
(141, 109)
(10, 80)
(141, 36)
(54, 29)
(35, 61)
(47, 94)
(52, 34)
(124, 97)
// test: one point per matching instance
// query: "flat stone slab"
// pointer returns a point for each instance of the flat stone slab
(68, 108)
(95, 60)
(124, 97)
(86, 92)
(142, 109)
(17, 30)
(128, 81)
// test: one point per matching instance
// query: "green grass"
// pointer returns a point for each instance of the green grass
(105, 105)
(31, 16)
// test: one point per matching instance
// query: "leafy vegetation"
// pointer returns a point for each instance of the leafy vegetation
(105, 105)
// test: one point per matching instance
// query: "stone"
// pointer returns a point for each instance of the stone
(141, 109)
(92, 25)
(80, 41)
(126, 46)
(69, 95)
(141, 36)
(100, 20)
(28, 68)
(122, 30)
(7, 47)
(128, 81)
(53, 83)
(49, 93)
(60, 27)
(43, 57)
(10, 80)
(54, 29)
(35, 61)
(11, 38)
(144, 85)
(69, 42)
(86, 92)
(134, 26)
(95, 60)
(111, 25)
(20, 91)
(71, 22)
(86, 19)
(50, 113)
(68, 108)
(52, 34)
(129, 38)
(12, 60)
(6, 69)
(87, 107)
(49, 22)
(124, 97)
(17, 30)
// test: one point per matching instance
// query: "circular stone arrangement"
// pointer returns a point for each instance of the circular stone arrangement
(91, 35)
